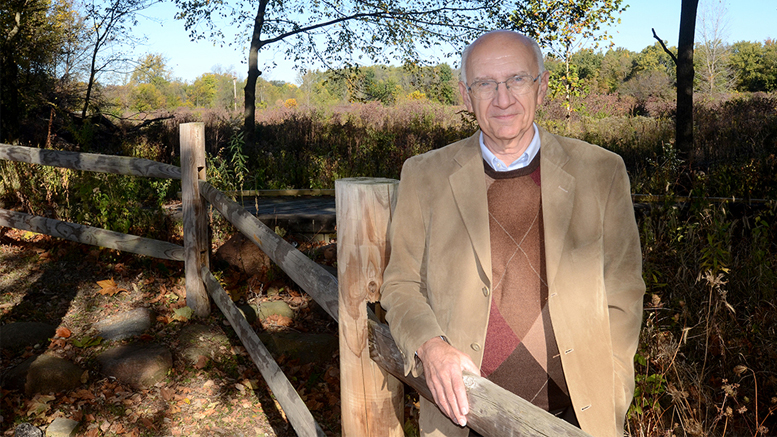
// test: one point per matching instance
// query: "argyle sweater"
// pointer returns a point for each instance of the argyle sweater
(520, 351)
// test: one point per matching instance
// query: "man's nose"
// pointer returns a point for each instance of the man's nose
(503, 97)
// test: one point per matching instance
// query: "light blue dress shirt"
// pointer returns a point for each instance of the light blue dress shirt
(521, 162)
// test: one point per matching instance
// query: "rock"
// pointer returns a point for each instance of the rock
(62, 427)
(242, 254)
(51, 374)
(306, 348)
(27, 430)
(198, 341)
(16, 336)
(275, 307)
(139, 365)
(125, 325)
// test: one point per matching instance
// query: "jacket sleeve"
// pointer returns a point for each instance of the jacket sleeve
(624, 285)
(403, 293)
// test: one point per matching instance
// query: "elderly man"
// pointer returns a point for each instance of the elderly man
(515, 255)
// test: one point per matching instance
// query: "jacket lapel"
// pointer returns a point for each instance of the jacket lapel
(558, 194)
(468, 184)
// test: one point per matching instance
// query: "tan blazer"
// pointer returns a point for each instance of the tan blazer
(439, 276)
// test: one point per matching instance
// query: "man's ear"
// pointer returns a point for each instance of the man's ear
(465, 96)
(543, 91)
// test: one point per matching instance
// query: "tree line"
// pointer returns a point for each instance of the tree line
(743, 66)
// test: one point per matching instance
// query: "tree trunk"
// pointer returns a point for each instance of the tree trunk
(253, 74)
(92, 74)
(685, 72)
(568, 87)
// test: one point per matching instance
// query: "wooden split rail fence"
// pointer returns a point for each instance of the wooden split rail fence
(371, 371)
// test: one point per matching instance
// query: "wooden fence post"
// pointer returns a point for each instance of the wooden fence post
(371, 399)
(195, 220)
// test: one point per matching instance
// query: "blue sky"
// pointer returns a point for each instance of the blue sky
(750, 20)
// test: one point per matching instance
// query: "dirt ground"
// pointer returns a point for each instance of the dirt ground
(48, 280)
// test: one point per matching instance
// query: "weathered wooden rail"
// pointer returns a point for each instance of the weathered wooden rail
(372, 376)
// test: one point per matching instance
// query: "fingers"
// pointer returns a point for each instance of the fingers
(443, 366)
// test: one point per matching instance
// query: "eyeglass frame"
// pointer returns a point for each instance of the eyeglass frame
(496, 89)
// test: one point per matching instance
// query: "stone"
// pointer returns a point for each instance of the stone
(62, 427)
(243, 255)
(125, 325)
(199, 341)
(27, 430)
(139, 365)
(305, 347)
(52, 374)
(275, 307)
(18, 335)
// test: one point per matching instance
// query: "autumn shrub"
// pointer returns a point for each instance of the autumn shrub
(311, 147)
(705, 364)
(742, 127)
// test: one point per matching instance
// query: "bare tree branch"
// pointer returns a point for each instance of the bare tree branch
(671, 55)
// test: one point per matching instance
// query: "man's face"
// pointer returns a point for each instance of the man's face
(506, 120)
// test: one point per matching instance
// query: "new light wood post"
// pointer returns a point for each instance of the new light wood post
(195, 220)
(370, 398)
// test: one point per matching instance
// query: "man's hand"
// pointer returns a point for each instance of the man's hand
(443, 366)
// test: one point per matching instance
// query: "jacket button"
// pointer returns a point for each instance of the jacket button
(475, 346)
(485, 291)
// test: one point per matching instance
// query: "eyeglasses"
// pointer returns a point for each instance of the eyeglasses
(517, 85)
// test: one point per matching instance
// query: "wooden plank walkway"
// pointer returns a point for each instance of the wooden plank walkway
(304, 214)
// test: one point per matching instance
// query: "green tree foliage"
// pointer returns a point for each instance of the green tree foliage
(435, 82)
(146, 97)
(376, 84)
(616, 68)
(151, 68)
(340, 34)
(36, 47)
(589, 64)
(654, 58)
(202, 92)
(151, 86)
(565, 26)
(755, 65)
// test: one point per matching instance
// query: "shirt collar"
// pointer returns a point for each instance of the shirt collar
(521, 162)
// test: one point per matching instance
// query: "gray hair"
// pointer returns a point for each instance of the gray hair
(532, 44)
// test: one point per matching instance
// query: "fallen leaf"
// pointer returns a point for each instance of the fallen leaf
(85, 395)
(39, 405)
(277, 320)
(202, 361)
(108, 287)
(59, 342)
(167, 394)
(63, 332)
(183, 314)
(94, 432)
